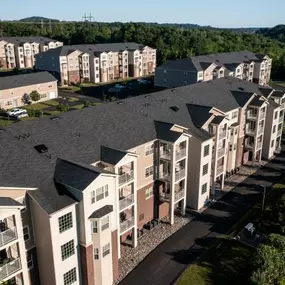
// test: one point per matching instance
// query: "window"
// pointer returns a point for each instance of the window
(26, 233)
(274, 129)
(185, 82)
(205, 169)
(67, 250)
(30, 262)
(234, 114)
(200, 75)
(70, 277)
(204, 188)
(106, 249)
(141, 217)
(148, 193)
(97, 75)
(149, 171)
(99, 194)
(96, 253)
(206, 150)
(65, 222)
(272, 143)
(149, 149)
(105, 223)
(185, 74)
(94, 225)
(275, 115)
(238, 70)
(164, 81)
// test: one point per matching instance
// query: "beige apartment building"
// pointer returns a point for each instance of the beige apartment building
(84, 187)
(14, 89)
(244, 65)
(20, 52)
(97, 63)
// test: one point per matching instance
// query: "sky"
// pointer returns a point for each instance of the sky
(216, 13)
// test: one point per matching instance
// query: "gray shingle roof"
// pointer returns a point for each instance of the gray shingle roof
(101, 212)
(9, 202)
(164, 133)
(199, 114)
(278, 93)
(117, 126)
(111, 155)
(217, 120)
(21, 80)
(265, 91)
(22, 40)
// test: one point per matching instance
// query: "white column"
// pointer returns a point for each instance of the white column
(135, 239)
(118, 214)
(22, 250)
(172, 181)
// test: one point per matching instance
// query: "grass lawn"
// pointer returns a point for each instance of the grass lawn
(77, 107)
(4, 122)
(70, 88)
(281, 83)
(222, 266)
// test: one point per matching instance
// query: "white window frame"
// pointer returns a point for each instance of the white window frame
(106, 249)
(150, 170)
(105, 224)
(96, 254)
(28, 233)
(95, 227)
(30, 260)
(202, 193)
(67, 250)
(65, 229)
(148, 193)
(149, 149)
(205, 165)
(206, 153)
(104, 192)
(68, 273)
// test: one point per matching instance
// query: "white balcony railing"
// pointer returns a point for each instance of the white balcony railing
(126, 177)
(279, 133)
(251, 116)
(10, 268)
(281, 118)
(125, 225)
(262, 115)
(179, 174)
(165, 154)
(179, 195)
(222, 134)
(181, 153)
(8, 236)
(258, 145)
(260, 130)
(221, 152)
(127, 201)
(164, 175)
(165, 196)
(220, 169)
(277, 150)
(250, 131)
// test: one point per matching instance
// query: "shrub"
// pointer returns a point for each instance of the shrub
(87, 103)
(35, 96)
(38, 113)
(31, 112)
(26, 98)
(63, 107)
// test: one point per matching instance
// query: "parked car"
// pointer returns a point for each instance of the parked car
(18, 113)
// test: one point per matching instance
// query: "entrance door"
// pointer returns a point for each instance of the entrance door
(51, 95)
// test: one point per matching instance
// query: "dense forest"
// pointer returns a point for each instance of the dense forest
(171, 42)
(277, 32)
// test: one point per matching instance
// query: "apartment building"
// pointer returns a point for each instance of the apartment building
(88, 196)
(97, 63)
(244, 65)
(15, 90)
(20, 51)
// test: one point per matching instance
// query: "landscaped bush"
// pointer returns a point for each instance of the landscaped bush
(87, 103)
(35, 96)
(38, 113)
(31, 112)
(63, 107)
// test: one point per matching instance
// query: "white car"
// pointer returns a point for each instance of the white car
(18, 113)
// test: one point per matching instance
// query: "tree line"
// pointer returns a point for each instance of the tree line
(171, 42)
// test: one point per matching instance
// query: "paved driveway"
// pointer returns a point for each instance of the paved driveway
(165, 264)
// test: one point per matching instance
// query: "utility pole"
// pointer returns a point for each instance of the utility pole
(50, 28)
(263, 200)
(86, 18)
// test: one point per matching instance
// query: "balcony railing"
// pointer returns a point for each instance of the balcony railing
(220, 169)
(164, 175)
(222, 134)
(251, 116)
(277, 150)
(179, 195)
(258, 145)
(165, 196)
(181, 153)
(127, 201)
(260, 130)
(221, 152)
(165, 154)
(179, 174)
(279, 133)
(126, 177)
(262, 115)
(125, 225)
(249, 145)
(281, 118)
(250, 131)
(10, 268)
(8, 236)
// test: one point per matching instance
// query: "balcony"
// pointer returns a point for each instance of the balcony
(126, 201)
(251, 116)
(220, 169)
(222, 134)
(249, 146)
(7, 236)
(258, 145)
(181, 153)
(262, 115)
(179, 174)
(126, 177)
(250, 131)
(165, 196)
(9, 268)
(127, 224)
(221, 152)
(165, 154)
(179, 195)
(279, 133)
(165, 175)
(260, 130)
(280, 119)
(277, 150)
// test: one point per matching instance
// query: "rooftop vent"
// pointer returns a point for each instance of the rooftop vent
(174, 108)
(54, 118)
(41, 148)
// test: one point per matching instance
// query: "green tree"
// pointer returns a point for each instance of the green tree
(35, 96)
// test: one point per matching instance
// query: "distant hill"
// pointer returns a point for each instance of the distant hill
(277, 32)
(37, 19)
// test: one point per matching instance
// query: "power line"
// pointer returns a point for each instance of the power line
(87, 18)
